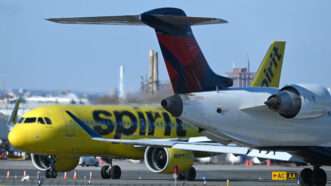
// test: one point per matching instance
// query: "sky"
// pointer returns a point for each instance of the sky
(37, 54)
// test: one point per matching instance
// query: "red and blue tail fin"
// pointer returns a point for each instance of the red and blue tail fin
(187, 67)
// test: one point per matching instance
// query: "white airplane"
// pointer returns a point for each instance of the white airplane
(289, 124)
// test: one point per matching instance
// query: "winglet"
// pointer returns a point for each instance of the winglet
(13, 116)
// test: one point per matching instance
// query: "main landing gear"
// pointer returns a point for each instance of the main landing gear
(189, 175)
(111, 171)
(313, 177)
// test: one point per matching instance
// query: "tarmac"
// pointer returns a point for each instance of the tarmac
(137, 174)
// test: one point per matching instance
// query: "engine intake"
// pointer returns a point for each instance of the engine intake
(164, 160)
(41, 162)
(286, 102)
(173, 104)
(300, 101)
(44, 162)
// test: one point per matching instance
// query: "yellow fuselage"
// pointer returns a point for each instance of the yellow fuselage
(51, 130)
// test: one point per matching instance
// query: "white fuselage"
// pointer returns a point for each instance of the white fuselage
(244, 118)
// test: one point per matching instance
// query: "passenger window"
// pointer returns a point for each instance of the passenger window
(41, 120)
(30, 120)
(48, 121)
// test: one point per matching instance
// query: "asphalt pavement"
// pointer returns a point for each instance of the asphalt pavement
(137, 174)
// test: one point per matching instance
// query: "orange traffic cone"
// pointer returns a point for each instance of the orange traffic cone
(248, 163)
(75, 176)
(65, 175)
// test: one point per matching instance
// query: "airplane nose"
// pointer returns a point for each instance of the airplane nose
(15, 140)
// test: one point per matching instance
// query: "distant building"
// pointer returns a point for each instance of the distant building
(151, 84)
(68, 98)
(121, 92)
(29, 101)
(241, 77)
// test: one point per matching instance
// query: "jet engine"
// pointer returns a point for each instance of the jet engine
(164, 160)
(43, 162)
(173, 104)
(301, 101)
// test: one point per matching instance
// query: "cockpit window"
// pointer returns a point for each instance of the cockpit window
(41, 120)
(30, 120)
(20, 120)
(48, 121)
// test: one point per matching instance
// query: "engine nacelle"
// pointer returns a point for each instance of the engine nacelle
(173, 104)
(164, 160)
(301, 101)
(43, 162)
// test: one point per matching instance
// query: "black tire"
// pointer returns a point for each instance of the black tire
(50, 173)
(319, 177)
(191, 174)
(47, 174)
(181, 176)
(54, 174)
(115, 172)
(306, 177)
(105, 172)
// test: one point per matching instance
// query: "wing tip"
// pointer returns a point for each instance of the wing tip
(55, 20)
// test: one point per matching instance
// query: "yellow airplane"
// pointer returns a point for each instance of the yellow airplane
(57, 135)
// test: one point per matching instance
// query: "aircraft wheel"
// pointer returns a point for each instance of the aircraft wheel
(181, 176)
(306, 177)
(115, 172)
(319, 177)
(191, 174)
(51, 173)
(105, 173)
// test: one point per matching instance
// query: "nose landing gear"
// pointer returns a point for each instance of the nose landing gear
(51, 172)
(315, 177)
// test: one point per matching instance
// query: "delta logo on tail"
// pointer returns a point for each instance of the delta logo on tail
(268, 74)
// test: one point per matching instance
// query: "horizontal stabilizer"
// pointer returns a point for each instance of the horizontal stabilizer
(137, 20)
(188, 69)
